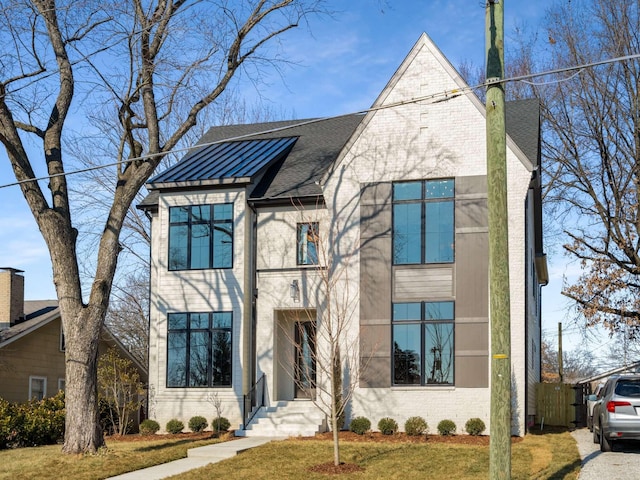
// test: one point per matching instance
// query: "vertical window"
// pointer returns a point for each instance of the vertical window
(61, 384)
(199, 349)
(37, 388)
(201, 236)
(423, 222)
(423, 351)
(307, 243)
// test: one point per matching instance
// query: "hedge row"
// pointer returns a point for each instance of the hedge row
(38, 422)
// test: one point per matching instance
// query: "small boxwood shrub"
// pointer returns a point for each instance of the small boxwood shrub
(387, 426)
(175, 426)
(149, 427)
(446, 427)
(220, 424)
(415, 426)
(474, 426)
(198, 423)
(360, 425)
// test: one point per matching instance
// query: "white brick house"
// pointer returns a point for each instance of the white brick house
(392, 207)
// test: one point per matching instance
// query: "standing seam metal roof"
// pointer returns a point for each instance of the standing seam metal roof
(227, 160)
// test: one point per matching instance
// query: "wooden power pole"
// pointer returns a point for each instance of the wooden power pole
(500, 429)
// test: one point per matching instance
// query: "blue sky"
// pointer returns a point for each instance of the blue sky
(339, 66)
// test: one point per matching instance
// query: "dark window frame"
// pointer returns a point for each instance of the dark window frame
(423, 322)
(423, 201)
(211, 330)
(212, 223)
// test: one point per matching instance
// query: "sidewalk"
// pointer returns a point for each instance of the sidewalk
(196, 458)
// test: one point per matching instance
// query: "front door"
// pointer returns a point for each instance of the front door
(305, 360)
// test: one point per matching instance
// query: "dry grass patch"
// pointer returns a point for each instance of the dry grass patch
(120, 456)
(551, 455)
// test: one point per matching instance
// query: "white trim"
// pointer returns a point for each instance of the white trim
(44, 386)
(62, 343)
(61, 384)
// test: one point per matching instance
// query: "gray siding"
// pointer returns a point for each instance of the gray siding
(465, 282)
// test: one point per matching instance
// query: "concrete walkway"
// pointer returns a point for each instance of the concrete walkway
(196, 458)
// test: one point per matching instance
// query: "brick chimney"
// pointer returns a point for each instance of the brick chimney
(11, 297)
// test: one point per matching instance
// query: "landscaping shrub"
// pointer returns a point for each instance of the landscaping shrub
(149, 427)
(8, 422)
(474, 426)
(387, 426)
(360, 425)
(220, 425)
(415, 426)
(175, 426)
(446, 427)
(197, 423)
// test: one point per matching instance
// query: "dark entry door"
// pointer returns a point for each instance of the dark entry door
(305, 368)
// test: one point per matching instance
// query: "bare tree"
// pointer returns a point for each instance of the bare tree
(328, 350)
(592, 155)
(152, 68)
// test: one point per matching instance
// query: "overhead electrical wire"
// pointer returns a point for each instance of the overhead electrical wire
(433, 98)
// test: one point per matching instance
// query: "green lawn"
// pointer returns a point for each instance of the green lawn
(552, 455)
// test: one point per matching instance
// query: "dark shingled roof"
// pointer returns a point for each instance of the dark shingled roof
(523, 126)
(319, 142)
(296, 173)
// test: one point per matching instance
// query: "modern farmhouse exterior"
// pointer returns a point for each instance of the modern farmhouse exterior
(380, 218)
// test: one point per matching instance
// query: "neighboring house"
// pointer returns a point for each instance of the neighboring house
(394, 204)
(32, 362)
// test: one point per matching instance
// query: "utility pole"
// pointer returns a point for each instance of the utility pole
(560, 366)
(500, 429)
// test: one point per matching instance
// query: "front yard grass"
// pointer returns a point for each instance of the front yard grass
(546, 455)
(48, 462)
(550, 455)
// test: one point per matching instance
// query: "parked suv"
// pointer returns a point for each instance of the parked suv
(616, 413)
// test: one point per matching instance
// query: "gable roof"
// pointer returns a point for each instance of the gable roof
(42, 312)
(299, 172)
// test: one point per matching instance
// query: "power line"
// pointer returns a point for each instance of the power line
(437, 97)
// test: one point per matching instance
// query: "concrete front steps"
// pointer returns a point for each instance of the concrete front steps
(286, 419)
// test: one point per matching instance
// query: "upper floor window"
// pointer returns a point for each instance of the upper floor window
(423, 222)
(307, 243)
(199, 349)
(201, 236)
(423, 334)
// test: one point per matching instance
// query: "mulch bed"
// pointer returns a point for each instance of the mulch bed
(136, 437)
(402, 438)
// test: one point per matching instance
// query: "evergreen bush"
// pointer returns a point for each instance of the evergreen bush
(387, 426)
(220, 424)
(474, 426)
(197, 423)
(149, 427)
(447, 427)
(360, 425)
(415, 426)
(175, 426)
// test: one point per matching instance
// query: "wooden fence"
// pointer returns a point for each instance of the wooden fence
(556, 404)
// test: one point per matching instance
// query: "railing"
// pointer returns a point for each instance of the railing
(253, 401)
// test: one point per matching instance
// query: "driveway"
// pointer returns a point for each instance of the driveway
(621, 464)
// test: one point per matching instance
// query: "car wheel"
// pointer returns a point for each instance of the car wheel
(605, 443)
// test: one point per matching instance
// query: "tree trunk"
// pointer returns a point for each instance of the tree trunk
(82, 426)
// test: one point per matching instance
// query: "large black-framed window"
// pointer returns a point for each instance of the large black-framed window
(423, 343)
(199, 349)
(423, 222)
(201, 236)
